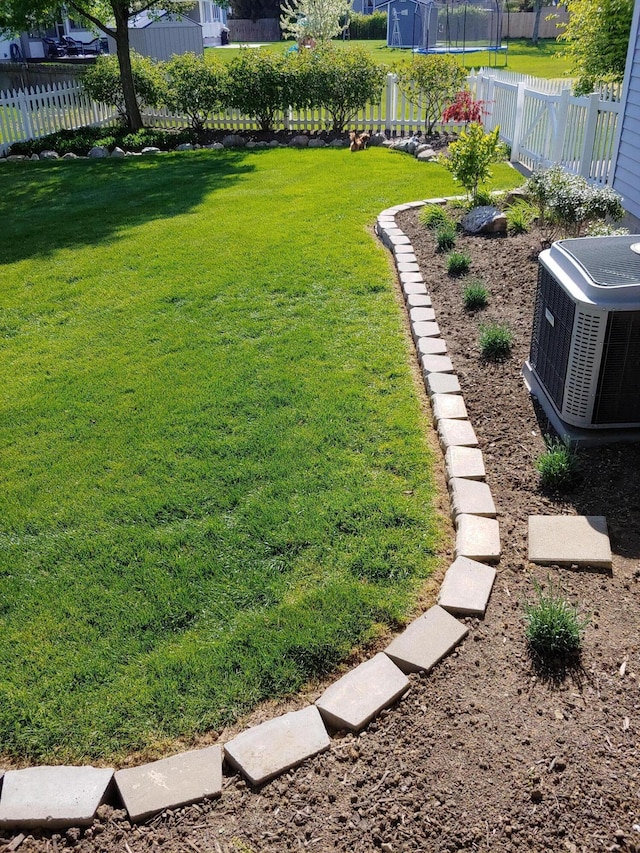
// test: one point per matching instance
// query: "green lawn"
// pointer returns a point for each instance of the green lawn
(545, 60)
(215, 472)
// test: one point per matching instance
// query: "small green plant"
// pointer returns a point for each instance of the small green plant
(475, 296)
(446, 237)
(554, 628)
(458, 263)
(496, 341)
(471, 155)
(483, 199)
(433, 216)
(520, 217)
(558, 465)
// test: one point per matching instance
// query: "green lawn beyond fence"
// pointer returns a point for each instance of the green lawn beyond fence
(215, 470)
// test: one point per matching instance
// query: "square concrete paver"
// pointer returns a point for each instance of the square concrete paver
(442, 383)
(403, 250)
(422, 315)
(411, 278)
(414, 287)
(464, 462)
(471, 496)
(426, 641)
(429, 346)
(53, 797)
(580, 540)
(406, 266)
(456, 433)
(361, 694)
(436, 364)
(424, 329)
(172, 782)
(449, 406)
(478, 538)
(271, 748)
(418, 300)
(466, 587)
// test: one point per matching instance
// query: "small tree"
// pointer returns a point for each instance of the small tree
(597, 38)
(319, 20)
(432, 82)
(471, 155)
(342, 80)
(195, 88)
(103, 82)
(262, 84)
(464, 109)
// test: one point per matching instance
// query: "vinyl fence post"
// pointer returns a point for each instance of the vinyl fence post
(517, 127)
(562, 111)
(22, 102)
(390, 102)
(588, 143)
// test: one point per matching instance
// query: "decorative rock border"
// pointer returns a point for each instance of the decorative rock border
(53, 797)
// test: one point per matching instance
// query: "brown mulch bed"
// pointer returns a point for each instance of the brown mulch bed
(485, 753)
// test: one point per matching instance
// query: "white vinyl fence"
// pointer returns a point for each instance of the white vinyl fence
(540, 119)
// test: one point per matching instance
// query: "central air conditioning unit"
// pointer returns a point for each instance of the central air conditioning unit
(584, 364)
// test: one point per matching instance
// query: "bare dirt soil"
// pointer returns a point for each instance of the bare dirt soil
(484, 753)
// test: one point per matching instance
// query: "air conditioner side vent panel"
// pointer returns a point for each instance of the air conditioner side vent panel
(579, 394)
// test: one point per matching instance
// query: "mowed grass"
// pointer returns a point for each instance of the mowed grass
(544, 60)
(216, 477)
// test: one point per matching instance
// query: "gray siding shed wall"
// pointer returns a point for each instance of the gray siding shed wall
(162, 39)
(626, 178)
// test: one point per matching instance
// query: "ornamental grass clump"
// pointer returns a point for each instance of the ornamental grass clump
(446, 237)
(520, 217)
(458, 263)
(496, 341)
(475, 296)
(554, 628)
(432, 216)
(558, 465)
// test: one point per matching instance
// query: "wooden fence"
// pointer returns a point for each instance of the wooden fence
(541, 120)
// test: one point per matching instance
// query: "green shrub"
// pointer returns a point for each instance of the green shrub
(102, 82)
(433, 216)
(483, 198)
(458, 263)
(475, 296)
(567, 204)
(195, 88)
(496, 341)
(558, 465)
(445, 236)
(82, 140)
(368, 26)
(341, 80)
(520, 217)
(470, 156)
(432, 81)
(554, 629)
(262, 84)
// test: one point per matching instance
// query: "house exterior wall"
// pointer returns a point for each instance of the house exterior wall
(163, 39)
(627, 158)
(212, 19)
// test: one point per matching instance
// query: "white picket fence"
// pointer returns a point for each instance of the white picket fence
(541, 120)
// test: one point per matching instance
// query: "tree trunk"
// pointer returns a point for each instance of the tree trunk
(134, 119)
(536, 22)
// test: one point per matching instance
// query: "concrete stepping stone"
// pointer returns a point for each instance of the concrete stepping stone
(275, 746)
(442, 383)
(436, 364)
(361, 694)
(430, 346)
(418, 300)
(464, 462)
(426, 329)
(471, 496)
(406, 266)
(477, 538)
(170, 783)
(426, 641)
(456, 433)
(414, 287)
(403, 249)
(580, 540)
(53, 797)
(466, 587)
(422, 315)
(448, 406)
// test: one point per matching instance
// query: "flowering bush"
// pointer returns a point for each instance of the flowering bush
(568, 204)
(464, 109)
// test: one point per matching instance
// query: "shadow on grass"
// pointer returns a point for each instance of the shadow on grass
(76, 203)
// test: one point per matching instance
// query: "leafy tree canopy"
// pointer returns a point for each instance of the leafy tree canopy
(597, 38)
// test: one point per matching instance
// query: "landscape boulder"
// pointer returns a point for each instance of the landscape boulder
(317, 143)
(184, 146)
(117, 153)
(49, 155)
(484, 220)
(150, 149)
(99, 151)
(300, 141)
(233, 140)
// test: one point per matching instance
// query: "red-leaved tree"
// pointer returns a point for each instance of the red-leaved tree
(464, 109)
